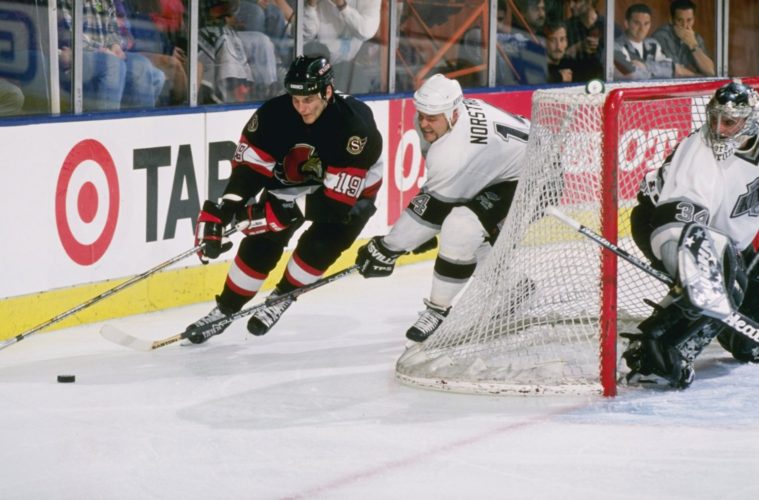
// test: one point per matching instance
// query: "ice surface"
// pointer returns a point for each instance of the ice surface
(312, 410)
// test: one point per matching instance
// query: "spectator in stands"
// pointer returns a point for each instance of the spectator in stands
(520, 48)
(250, 19)
(11, 98)
(561, 67)
(554, 10)
(682, 44)
(112, 75)
(636, 56)
(103, 71)
(144, 82)
(342, 26)
(158, 28)
(586, 32)
(276, 18)
(529, 18)
(226, 74)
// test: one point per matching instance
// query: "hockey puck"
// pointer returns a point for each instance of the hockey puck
(66, 379)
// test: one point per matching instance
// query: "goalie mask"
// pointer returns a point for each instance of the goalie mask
(309, 75)
(731, 118)
(439, 95)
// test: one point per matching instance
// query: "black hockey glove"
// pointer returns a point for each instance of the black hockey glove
(361, 212)
(209, 230)
(375, 260)
(270, 214)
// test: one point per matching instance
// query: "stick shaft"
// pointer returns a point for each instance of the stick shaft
(589, 233)
(737, 321)
(129, 341)
(111, 291)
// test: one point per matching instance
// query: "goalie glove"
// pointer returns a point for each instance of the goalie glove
(270, 214)
(209, 232)
(375, 260)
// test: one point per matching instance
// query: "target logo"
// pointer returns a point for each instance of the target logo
(87, 202)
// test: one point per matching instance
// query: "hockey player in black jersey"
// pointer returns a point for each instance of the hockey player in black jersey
(310, 144)
(474, 154)
(711, 179)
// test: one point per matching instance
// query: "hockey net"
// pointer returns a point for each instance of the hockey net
(542, 312)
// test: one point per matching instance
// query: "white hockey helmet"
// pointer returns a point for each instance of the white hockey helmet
(733, 104)
(439, 95)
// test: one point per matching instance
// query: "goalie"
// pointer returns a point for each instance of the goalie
(709, 185)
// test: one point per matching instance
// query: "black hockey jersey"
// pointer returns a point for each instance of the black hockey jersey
(334, 161)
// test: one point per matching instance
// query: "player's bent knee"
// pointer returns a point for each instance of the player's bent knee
(461, 235)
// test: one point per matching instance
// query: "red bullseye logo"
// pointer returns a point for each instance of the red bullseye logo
(85, 225)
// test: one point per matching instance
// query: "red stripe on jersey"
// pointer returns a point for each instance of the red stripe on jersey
(371, 191)
(254, 158)
(344, 184)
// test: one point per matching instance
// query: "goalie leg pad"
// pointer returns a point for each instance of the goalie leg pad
(653, 363)
(742, 348)
(654, 356)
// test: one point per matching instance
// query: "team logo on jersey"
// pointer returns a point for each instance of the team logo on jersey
(253, 123)
(302, 164)
(356, 144)
(748, 203)
(487, 200)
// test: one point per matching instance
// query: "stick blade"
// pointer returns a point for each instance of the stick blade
(120, 337)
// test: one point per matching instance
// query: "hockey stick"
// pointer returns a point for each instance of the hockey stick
(122, 338)
(725, 314)
(94, 300)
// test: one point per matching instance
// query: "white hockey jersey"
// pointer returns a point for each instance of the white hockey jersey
(485, 146)
(727, 189)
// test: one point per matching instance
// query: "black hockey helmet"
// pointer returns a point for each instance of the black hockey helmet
(733, 104)
(309, 75)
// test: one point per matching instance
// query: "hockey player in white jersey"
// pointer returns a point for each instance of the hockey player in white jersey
(712, 179)
(474, 154)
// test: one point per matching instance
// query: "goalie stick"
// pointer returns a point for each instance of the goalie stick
(122, 338)
(94, 300)
(720, 309)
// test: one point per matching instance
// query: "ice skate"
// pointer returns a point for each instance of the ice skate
(197, 332)
(266, 317)
(429, 321)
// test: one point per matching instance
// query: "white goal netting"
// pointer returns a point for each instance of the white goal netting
(541, 314)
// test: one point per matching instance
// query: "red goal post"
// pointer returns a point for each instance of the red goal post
(541, 314)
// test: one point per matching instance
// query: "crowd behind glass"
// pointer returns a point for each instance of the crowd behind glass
(105, 55)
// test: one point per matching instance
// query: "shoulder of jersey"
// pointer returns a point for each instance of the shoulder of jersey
(276, 110)
(356, 116)
(357, 128)
(276, 105)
